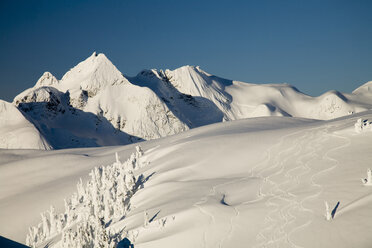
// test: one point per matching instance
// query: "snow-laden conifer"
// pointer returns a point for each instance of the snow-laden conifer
(88, 211)
(362, 125)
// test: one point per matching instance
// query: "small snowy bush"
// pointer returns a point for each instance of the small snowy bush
(146, 218)
(106, 196)
(361, 126)
(328, 212)
(368, 181)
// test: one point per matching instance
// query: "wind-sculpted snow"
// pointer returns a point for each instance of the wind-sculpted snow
(158, 103)
(105, 199)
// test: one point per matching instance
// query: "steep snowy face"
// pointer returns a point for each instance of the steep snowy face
(193, 81)
(16, 132)
(65, 126)
(135, 110)
(193, 110)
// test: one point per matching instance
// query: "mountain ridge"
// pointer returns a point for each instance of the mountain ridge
(157, 103)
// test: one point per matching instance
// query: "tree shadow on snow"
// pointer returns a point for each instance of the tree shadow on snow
(153, 217)
(141, 181)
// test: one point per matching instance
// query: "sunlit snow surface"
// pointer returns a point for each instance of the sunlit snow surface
(258, 182)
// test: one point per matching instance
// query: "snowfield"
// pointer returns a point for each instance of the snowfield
(258, 182)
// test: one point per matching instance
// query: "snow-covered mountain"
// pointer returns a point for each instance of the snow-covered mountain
(94, 104)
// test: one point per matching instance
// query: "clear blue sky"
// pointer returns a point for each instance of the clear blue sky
(314, 45)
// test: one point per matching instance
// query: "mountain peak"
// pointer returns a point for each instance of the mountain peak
(47, 79)
(94, 72)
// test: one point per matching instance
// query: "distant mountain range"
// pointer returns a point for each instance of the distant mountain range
(94, 104)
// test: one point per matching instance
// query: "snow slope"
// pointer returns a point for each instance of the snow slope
(94, 104)
(258, 182)
(16, 131)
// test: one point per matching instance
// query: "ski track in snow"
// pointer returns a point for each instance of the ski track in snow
(285, 204)
(203, 210)
(209, 216)
(231, 229)
(277, 231)
(274, 230)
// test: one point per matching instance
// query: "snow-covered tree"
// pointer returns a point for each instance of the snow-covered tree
(362, 125)
(46, 225)
(80, 191)
(328, 212)
(53, 220)
(331, 214)
(146, 219)
(139, 151)
(368, 181)
(117, 158)
(358, 125)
